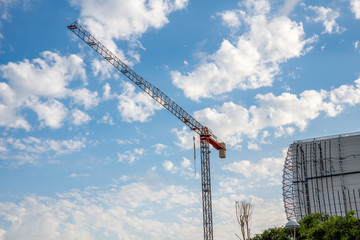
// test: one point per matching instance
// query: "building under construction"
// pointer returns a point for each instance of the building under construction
(322, 175)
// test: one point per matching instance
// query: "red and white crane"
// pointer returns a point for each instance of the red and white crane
(206, 135)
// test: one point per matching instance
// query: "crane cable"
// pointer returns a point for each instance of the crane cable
(194, 157)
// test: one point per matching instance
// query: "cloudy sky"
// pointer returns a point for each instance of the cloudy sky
(84, 154)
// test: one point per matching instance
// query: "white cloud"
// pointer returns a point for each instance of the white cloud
(50, 113)
(107, 119)
(85, 97)
(288, 7)
(131, 156)
(38, 85)
(79, 117)
(253, 146)
(346, 94)
(2, 234)
(77, 175)
(355, 8)
(3, 147)
(124, 19)
(328, 18)
(9, 107)
(136, 106)
(283, 113)
(32, 149)
(281, 131)
(160, 149)
(230, 114)
(168, 165)
(51, 74)
(251, 62)
(132, 141)
(185, 163)
(184, 170)
(114, 212)
(269, 169)
(101, 69)
(268, 213)
(113, 20)
(185, 138)
(132, 211)
(232, 18)
(356, 45)
(107, 92)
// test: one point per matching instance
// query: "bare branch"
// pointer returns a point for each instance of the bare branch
(244, 212)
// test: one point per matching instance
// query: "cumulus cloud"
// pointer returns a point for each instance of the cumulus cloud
(107, 119)
(250, 62)
(9, 105)
(79, 117)
(51, 73)
(31, 150)
(85, 97)
(269, 169)
(232, 122)
(77, 175)
(355, 8)
(184, 169)
(107, 92)
(232, 18)
(160, 149)
(101, 69)
(327, 17)
(168, 165)
(38, 145)
(185, 163)
(123, 212)
(2, 233)
(50, 113)
(136, 106)
(135, 210)
(288, 7)
(185, 138)
(39, 85)
(125, 20)
(131, 156)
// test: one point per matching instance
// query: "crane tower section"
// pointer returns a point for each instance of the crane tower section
(206, 135)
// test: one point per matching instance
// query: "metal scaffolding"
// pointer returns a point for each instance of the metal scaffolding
(322, 175)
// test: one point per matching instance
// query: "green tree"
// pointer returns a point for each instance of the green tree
(318, 226)
(324, 227)
(280, 233)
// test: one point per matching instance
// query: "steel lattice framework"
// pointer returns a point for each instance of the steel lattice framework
(206, 135)
(322, 175)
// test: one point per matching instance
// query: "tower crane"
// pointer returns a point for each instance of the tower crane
(206, 136)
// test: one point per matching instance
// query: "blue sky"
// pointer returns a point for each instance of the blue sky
(86, 155)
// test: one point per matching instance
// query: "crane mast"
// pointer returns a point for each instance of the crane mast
(206, 135)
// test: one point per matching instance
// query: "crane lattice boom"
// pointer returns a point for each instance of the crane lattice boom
(206, 135)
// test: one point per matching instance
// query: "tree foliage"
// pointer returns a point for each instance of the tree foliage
(280, 233)
(318, 226)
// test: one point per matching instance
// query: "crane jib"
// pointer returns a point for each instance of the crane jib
(147, 87)
(206, 135)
